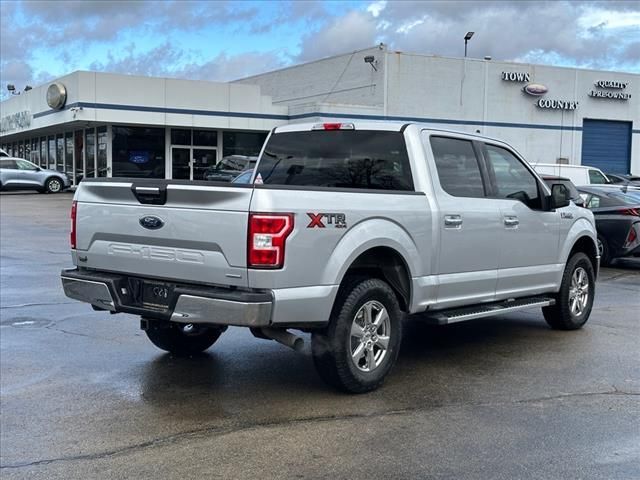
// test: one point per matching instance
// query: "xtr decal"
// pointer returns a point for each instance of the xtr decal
(337, 220)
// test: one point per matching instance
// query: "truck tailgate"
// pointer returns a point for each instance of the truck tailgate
(200, 236)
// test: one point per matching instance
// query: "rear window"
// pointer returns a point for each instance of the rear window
(613, 200)
(363, 159)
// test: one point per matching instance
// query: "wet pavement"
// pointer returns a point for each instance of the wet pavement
(85, 395)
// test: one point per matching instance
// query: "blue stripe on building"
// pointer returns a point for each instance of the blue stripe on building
(268, 116)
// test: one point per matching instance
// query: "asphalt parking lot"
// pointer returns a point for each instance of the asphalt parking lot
(85, 395)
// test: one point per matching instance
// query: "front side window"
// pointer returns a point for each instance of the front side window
(597, 178)
(24, 165)
(362, 159)
(457, 166)
(512, 179)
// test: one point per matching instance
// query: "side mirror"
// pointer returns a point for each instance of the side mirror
(560, 196)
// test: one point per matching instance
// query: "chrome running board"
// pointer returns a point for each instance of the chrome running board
(445, 317)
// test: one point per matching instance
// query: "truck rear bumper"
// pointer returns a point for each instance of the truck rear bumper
(186, 303)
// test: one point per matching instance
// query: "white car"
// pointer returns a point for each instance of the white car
(580, 175)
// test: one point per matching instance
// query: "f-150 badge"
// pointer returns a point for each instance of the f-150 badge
(337, 220)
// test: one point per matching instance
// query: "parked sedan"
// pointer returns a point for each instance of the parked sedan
(617, 214)
(244, 177)
(19, 174)
(629, 180)
(229, 168)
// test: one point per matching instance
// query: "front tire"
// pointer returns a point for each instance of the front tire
(182, 339)
(360, 345)
(575, 298)
(54, 185)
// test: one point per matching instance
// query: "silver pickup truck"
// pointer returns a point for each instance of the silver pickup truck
(345, 229)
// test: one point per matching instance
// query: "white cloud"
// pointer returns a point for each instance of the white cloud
(353, 31)
(376, 7)
(407, 27)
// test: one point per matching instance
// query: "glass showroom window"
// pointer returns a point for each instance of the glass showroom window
(52, 153)
(79, 152)
(102, 152)
(138, 152)
(35, 151)
(20, 150)
(27, 149)
(60, 153)
(43, 152)
(90, 143)
(242, 143)
(68, 153)
(205, 138)
(181, 136)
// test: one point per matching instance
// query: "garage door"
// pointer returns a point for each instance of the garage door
(607, 145)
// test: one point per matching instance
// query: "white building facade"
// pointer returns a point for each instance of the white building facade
(118, 125)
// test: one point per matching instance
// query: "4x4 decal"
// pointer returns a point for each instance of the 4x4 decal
(337, 220)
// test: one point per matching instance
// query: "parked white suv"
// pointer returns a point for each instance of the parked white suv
(578, 174)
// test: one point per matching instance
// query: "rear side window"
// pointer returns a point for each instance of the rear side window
(596, 177)
(363, 159)
(613, 179)
(458, 168)
(8, 164)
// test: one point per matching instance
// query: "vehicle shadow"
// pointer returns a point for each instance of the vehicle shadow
(251, 375)
(34, 193)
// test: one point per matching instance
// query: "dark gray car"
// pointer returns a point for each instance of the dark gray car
(19, 174)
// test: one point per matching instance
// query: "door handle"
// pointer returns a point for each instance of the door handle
(452, 221)
(511, 221)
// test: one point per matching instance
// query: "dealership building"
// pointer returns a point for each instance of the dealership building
(100, 124)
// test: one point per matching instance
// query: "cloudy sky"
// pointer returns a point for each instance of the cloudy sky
(224, 40)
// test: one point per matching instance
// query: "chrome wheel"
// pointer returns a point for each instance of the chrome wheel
(54, 186)
(578, 291)
(369, 340)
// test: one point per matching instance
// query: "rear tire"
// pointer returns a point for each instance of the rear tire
(575, 298)
(172, 337)
(54, 185)
(360, 345)
(605, 253)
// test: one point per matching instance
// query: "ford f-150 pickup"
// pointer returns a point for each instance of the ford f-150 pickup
(344, 230)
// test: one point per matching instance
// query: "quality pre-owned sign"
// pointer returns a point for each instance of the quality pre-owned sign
(610, 89)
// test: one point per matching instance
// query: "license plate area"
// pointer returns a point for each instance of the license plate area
(156, 295)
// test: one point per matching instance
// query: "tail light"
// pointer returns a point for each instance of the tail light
(630, 211)
(333, 126)
(72, 235)
(267, 237)
(632, 236)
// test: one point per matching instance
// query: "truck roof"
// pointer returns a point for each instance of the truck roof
(390, 125)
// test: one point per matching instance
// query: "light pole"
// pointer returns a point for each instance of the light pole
(467, 37)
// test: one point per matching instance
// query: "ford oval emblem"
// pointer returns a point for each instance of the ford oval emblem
(535, 89)
(151, 222)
